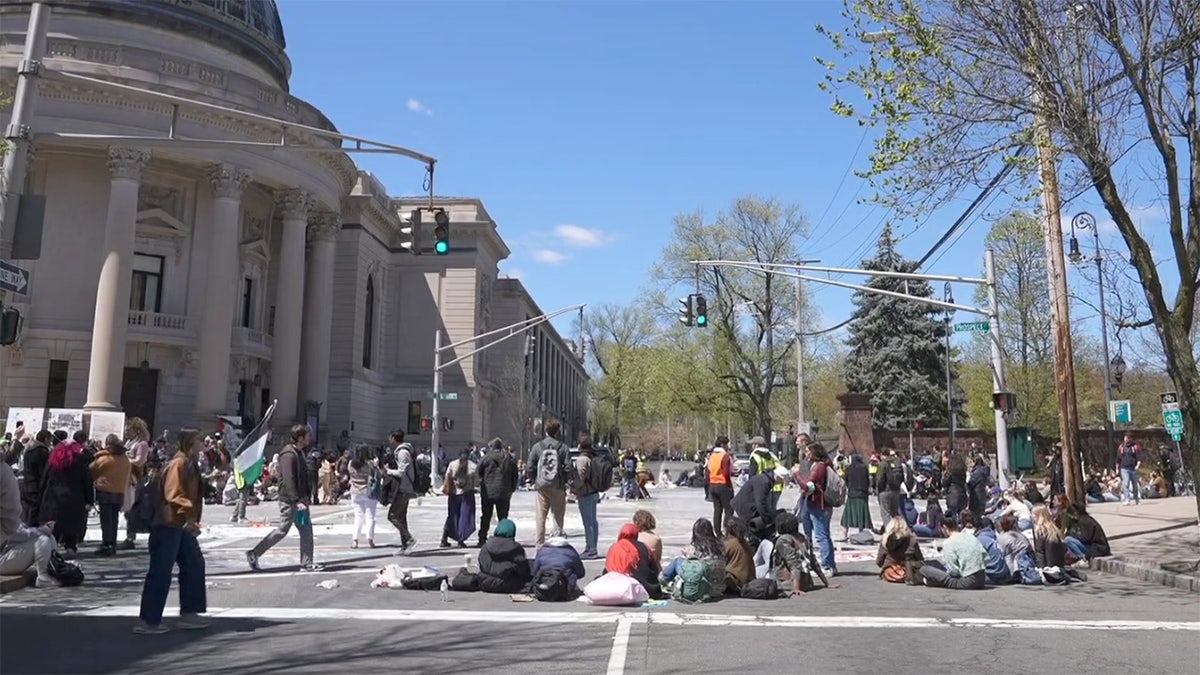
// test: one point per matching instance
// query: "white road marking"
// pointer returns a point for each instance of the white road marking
(620, 648)
(631, 616)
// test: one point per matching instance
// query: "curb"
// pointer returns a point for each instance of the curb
(1146, 571)
(15, 582)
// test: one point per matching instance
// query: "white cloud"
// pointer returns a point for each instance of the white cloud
(549, 257)
(581, 237)
(417, 106)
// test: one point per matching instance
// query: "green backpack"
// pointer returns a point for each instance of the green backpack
(693, 584)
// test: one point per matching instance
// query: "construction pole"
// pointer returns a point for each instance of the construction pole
(12, 180)
(435, 434)
(998, 384)
(1060, 310)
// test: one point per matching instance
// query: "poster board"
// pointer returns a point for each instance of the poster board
(69, 420)
(32, 417)
(102, 423)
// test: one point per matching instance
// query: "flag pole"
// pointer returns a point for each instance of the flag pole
(250, 438)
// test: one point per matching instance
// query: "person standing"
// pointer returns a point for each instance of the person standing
(111, 470)
(173, 541)
(719, 480)
(459, 483)
(498, 482)
(548, 466)
(1054, 466)
(404, 475)
(34, 464)
(364, 485)
(294, 495)
(1129, 462)
(68, 491)
(313, 460)
(587, 495)
(762, 460)
(857, 513)
(819, 514)
(137, 448)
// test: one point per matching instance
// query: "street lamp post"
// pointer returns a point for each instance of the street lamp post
(948, 296)
(1085, 221)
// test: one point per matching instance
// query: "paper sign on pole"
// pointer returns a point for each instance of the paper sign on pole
(69, 420)
(101, 424)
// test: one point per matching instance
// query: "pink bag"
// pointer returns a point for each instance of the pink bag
(615, 590)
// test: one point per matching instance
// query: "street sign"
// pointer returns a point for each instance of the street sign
(1173, 421)
(1169, 400)
(972, 327)
(1120, 412)
(1177, 437)
(13, 278)
(446, 395)
(804, 428)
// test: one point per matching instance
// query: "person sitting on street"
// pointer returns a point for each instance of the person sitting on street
(503, 567)
(792, 559)
(557, 553)
(929, 521)
(899, 557)
(964, 562)
(1014, 545)
(739, 556)
(706, 548)
(998, 572)
(645, 523)
(22, 547)
(630, 557)
(1086, 539)
(1048, 547)
(1019, 508)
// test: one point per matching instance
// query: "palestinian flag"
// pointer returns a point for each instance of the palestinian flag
(248, 458)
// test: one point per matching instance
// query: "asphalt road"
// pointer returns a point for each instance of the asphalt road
(279, 620)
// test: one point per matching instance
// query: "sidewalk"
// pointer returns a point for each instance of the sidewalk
(1156, 541)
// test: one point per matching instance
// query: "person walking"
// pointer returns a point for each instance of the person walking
(1129, 462)
(173, 541)
(403, 474)
(587, 496)
(548, 466)
(364, 477)
(498, 481)
(137, 448)
(294, 494)
(459, 485)
(719, 479)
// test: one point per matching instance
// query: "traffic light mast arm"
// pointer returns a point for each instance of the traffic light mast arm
(511, 330)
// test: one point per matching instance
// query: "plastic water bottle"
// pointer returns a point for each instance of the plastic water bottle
(467, 561)
(445, 589)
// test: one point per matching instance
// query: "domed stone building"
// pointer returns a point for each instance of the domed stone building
(178, 281)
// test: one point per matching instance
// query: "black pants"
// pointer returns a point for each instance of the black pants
(109, 505)
(314, 484)
(487, 505)
(722, 501)
(398, 516)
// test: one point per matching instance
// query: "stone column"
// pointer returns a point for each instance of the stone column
(293, 207)
(220, 296)
(318, 308)
(111, 321)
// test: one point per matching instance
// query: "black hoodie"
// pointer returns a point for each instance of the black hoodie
(503, 567)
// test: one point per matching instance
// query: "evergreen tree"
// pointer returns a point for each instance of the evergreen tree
(897, 348)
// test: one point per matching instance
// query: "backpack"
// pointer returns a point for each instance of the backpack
(549, 473)
(146, 502)
(693, 584)
(835, 488)
(550, 585)
(375, 486)
(761, 589)
(422, 474)
(601, 476)
(63, 571)
(895, 478)
(465, 580)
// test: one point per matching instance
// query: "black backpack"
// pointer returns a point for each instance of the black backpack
(550, 585)
(63, 571)
(147, 500)
(761, 589)
(895, 478)
(601, 476)
(422, 474)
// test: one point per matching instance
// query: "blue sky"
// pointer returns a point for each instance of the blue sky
(585, 127)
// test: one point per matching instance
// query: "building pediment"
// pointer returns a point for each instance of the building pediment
(156, 222)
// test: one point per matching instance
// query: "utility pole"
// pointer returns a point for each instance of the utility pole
(948, 296)
(12, 181)
(800, 418)
(998, 383)
(1085, 221)
(1060, 308)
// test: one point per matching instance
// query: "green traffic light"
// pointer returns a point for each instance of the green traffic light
(702, 320)
(441, 247)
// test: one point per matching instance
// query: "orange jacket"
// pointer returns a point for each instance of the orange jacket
(719, 467)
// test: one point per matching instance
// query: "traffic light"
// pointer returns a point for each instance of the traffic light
(10, 326)
(530, 344)
(411, 231)
(441, 232)
(426, 424)
(1004, 401)
(700, 310)
(686, 315)
(917, 425)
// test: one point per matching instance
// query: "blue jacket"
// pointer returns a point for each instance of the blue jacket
(565, 558)
(997, 566)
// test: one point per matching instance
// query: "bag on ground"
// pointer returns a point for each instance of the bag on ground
(761, 589)
(64, 571)
(550, 585)
(465, 580)
(615, 590)
(423, 583)
(894, 573)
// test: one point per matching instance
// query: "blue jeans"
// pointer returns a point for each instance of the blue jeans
(924, 531)
(1130, 484)
(801, 513)
(1076, 547)
(170, 546)
(673, 568)
(591, 525)
(818, 520)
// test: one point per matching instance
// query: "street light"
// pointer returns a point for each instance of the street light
(1115, 367)
(948, 296)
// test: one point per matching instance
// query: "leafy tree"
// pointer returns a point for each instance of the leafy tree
(750, 314)
(896, 346)
(618, 335)
(955, 86)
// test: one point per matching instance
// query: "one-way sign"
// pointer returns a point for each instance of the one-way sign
(13, 278)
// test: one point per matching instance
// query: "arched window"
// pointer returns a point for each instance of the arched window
(368, 345)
